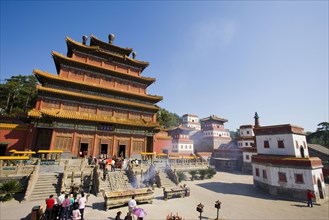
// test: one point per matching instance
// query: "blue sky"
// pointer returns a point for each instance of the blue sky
(227, 58)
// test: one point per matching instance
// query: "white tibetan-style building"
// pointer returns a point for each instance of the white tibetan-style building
(283, 166)
(191, 121)
(181, 142)
(246, 142)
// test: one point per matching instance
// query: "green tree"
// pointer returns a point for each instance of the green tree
(18, 95)
(235, 134)
(9, 188)
(320, 136)
(167, 119)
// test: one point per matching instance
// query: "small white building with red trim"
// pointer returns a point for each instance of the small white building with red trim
(246, 142)
(191, 121)
(282, 165)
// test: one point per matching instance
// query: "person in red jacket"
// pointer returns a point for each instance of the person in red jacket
(310, 197)
(49, 207)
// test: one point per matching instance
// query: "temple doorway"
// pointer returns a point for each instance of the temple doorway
(122, 151)
(83, 149)
(104, 148)
(320, 189)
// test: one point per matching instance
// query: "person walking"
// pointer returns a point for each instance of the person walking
(131, 204)
(82, 204)
(310, 197)
(49, 207)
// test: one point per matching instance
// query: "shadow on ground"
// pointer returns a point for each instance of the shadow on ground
(241, 189)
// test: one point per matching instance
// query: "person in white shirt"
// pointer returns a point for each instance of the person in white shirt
(82, 204)
(131, 205)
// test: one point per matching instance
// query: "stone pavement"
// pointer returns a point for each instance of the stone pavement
(240, 200)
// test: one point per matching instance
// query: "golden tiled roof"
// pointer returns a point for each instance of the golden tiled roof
(95, 97)
(5, 126)
(59, 58)
(57, 77)
(64, 114)
(97, 49)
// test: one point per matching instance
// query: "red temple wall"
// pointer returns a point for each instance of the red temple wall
(15, 137)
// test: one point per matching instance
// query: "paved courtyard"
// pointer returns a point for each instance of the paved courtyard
(240, 200)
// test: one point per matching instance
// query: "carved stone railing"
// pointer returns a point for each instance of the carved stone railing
(32, 181)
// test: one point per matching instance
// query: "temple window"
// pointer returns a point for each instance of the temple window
(247, 157)
(280, 144)
(266, 144)
(282, 177)
(264, 174)
(299, 178)
(257, 172)
(246, 143)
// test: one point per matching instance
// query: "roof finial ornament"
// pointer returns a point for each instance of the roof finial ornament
(111, 38)
(256, 117)
(134, 54)
(84, 39)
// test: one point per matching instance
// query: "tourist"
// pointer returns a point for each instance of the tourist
(60, 200)
(66, 208)
(112, 165)
(82, 203)
(76, 212)
(49, 207)
(71, 203)
(131, 204)
(310, 197)
(118, 216)
(128, 216)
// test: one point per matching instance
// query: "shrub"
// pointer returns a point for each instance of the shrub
(181, 176)
(203, 174)
(9, 188)
(192, 173)
(211, 172)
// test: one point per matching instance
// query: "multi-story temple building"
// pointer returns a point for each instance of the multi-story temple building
(96, 104)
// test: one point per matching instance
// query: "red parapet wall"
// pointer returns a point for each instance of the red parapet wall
(15, 136)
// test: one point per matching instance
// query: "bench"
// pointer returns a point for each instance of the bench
(115, 199)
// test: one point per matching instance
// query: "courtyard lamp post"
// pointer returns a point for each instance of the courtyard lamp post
(199, 209)
(217, 206)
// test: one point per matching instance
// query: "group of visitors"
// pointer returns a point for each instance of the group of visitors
(132, 204)
(66, 206)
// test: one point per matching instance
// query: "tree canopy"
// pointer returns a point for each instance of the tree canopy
(18, 95)
(167, 119)
(320, 136)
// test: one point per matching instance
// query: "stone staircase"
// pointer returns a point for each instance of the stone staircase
(118, 181)
(165, 181)
(46, 185)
